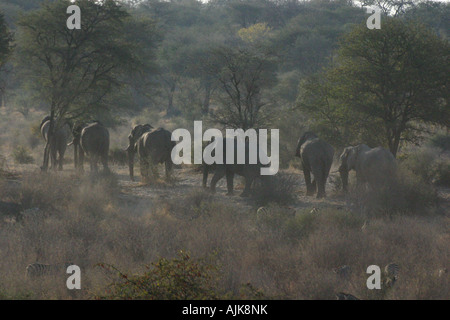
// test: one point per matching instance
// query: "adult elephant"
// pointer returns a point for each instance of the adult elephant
(58, 141)
(316, 156)
(249, 171)
(153, 146)
(93, 140)
(375, 166)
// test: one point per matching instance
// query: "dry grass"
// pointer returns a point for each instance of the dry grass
(88, 220)
(284, 255)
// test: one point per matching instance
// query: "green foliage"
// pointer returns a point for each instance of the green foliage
(428, 164)
(372, 89)
(180, 278)
(441, 141)
(22, 155)
(5, 40)
(74, 70)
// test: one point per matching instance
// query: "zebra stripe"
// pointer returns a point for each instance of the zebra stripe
(40, 269)
(392, 270)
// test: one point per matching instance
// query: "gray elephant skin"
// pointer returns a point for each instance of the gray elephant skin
(92, 140)
(374, 166)
(59, 141)
(153, 146)
(249, 171)
(317, 157)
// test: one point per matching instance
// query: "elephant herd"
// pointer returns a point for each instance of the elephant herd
(373, 166)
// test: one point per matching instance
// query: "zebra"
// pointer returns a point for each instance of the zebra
(34, 270)
(345, 296)
(391, 271)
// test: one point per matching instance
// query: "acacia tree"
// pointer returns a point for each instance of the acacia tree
(242, 74)
(74, 70)
(386, 83)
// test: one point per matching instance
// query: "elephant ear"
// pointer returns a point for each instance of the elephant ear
(351, 157)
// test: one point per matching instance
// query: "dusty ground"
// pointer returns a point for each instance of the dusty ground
(185, 180)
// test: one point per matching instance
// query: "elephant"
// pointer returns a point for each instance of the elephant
(317, 157)
(91, 139)
(249, 171)
(153, 146)
(59, 141)
(374, 166)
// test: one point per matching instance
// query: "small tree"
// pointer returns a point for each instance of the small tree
(385, 83)
(242, 74)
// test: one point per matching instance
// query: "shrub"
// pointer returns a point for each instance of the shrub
(441, 141)
(22, 155)
(430, 165)
(279, 188)
(408, 194)
(442, 173)
(180, 278)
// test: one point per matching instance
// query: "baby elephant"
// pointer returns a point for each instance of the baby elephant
(317, 157)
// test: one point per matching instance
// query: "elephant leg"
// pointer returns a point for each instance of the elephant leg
(93, 162)
(154, 169)
(320, 183)
(104, 160)
(321, 189)
(310, 188)
(248, 185)
(205, 175)
(60, 160)
(53, 158)
(168, 167)
(220, 172)
(144, 168)
(230, 182)
(81, 161)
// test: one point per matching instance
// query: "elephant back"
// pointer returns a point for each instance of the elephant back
(95, 138)
(317, 147)
(157, 144)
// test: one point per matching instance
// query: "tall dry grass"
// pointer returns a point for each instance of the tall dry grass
(282, 255)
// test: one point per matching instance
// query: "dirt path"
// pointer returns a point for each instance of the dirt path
(188, 180)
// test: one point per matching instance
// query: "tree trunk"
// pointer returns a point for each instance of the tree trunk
(48, 146)
(207, 99)
(170, 110)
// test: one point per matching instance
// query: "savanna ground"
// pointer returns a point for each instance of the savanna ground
(219, 246)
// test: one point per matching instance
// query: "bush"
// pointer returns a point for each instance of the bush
(442, 173)
(408, 194)
(181, 278)
(22, 155)
(441, 141)
(279, 188)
